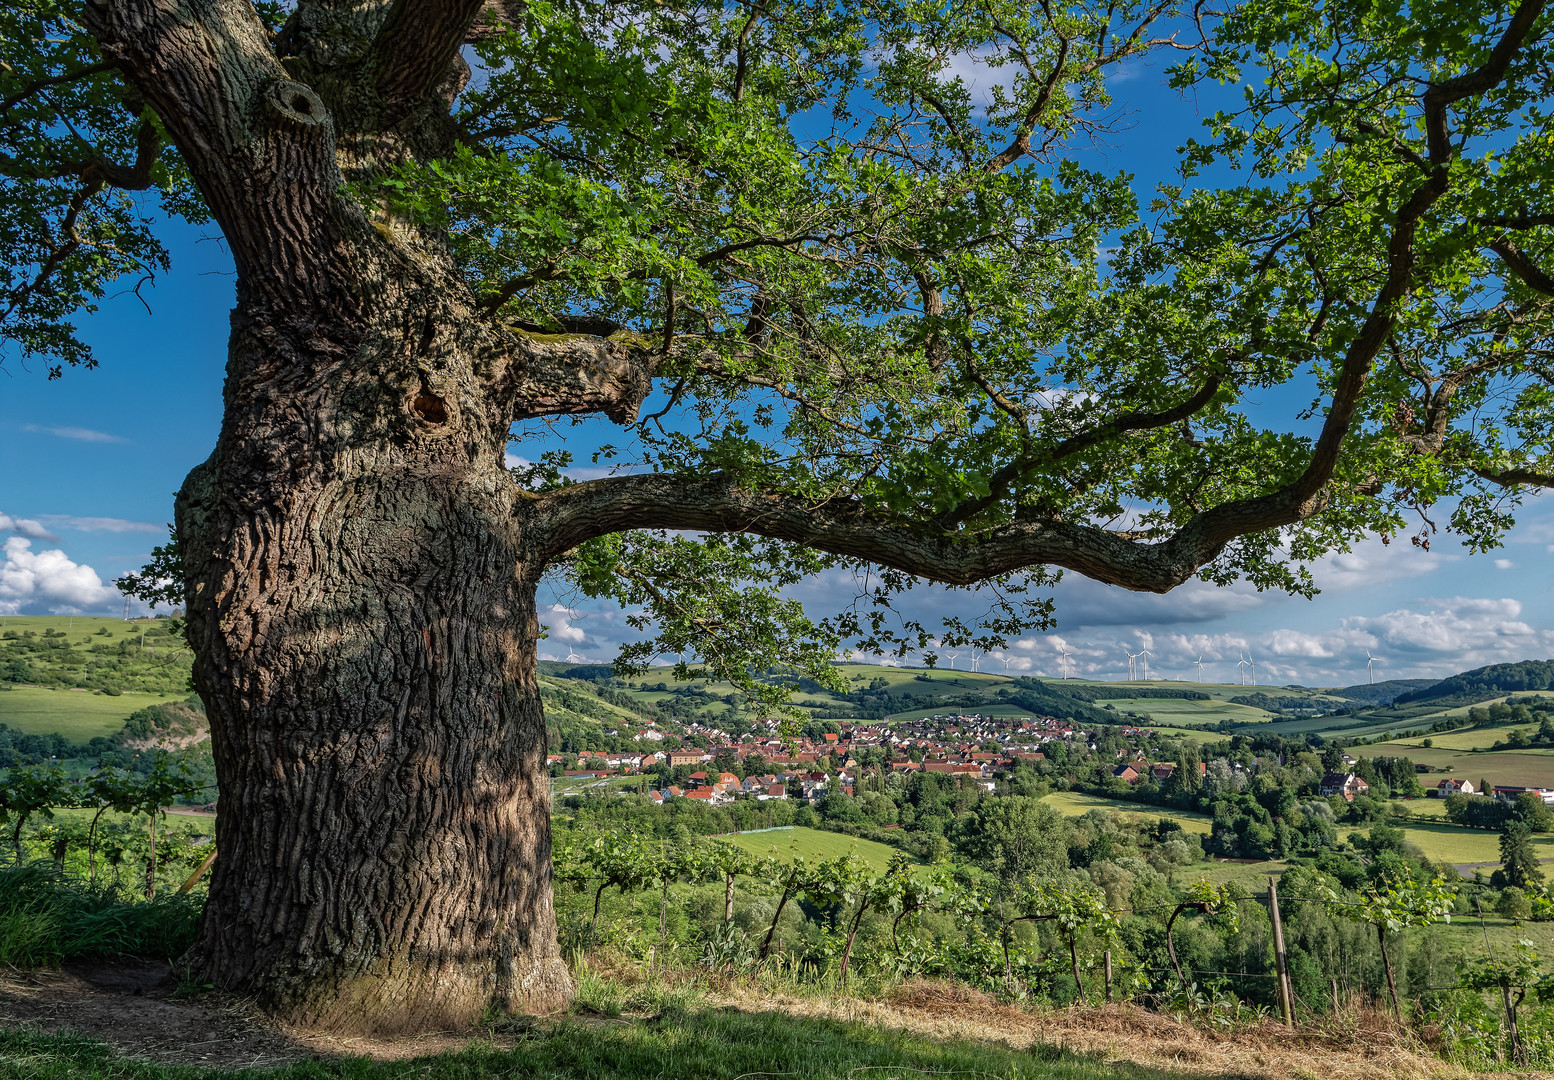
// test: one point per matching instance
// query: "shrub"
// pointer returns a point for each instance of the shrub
(1513, 903)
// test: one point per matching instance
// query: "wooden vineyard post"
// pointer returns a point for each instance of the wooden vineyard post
(1108, 974)
(1281, 962)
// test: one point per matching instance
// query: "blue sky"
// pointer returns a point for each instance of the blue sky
(89, 464)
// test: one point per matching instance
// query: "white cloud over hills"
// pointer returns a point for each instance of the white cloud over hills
(49, 582)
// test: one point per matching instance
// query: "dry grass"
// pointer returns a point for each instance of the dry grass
(1360, 1045)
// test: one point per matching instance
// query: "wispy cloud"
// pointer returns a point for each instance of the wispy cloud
(99, 524)
(25, 527)
(80, 434)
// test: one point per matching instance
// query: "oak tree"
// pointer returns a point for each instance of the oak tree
(884, 323)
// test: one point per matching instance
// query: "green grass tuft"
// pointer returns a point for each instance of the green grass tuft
(47, 918)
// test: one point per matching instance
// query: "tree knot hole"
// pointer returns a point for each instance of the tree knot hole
(297, 103)
(429, 407)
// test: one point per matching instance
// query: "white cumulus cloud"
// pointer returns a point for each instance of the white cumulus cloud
(49, 581)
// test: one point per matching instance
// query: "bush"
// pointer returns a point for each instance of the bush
(1513, 903)
(47, 917)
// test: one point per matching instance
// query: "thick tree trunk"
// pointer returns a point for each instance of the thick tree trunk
(361, 605)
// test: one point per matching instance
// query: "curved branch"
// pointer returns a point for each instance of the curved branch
(1525, 269)
(1011, 473)
(39, 85)
(574, 514)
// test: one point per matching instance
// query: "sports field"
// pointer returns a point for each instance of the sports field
(813, 845)
(78, 715)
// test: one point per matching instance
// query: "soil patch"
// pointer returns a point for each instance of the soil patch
(131, 1006)
(135, 1007)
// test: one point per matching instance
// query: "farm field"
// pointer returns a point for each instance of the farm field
(1251, 876)
(195, 824)
(1459, 846)
(78, 715)
(813, 844)
(1073, 804)
(1429, 807)
(1526, 767)
(1183, 710)
(1188, 734)
(1464, 738)
(990, 709)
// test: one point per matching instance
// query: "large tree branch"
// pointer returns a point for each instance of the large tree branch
(418, 43)
(574, 514)
(1444, 95)
(1516, 260)
(1003, 480)
(260, 145)
(578, 374)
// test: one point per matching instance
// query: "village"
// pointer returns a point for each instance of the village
(715, 767)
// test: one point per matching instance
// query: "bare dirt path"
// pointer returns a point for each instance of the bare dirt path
(136, 1008)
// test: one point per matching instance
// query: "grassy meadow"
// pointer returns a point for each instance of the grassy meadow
(1521, 767)
(814, 844)
(1073, 804)
(78, 715)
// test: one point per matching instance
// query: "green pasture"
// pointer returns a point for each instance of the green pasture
(1187, 734)
(813, 845)
(1442, 842)
(1429, 807)
(1520, 767)
(77, 626)
(1073, 804)
(1476, 738)
(991, 709)
(173, 821)
(1251, 876)
(78, 715)
(1183, 710)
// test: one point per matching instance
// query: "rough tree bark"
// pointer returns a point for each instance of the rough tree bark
(361, 570)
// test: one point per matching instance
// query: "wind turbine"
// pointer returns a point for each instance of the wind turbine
(1252, 665)
(976, 662)
(1241, 673)
(573, 657)
(1063, 651)
(1199, 662)
(1131, 657)
(1146, 654)
(1370, 661)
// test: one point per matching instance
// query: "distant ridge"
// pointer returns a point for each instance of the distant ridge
(1382, 693)
(1482, 684)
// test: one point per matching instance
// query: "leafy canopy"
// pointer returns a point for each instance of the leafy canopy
(865, 283)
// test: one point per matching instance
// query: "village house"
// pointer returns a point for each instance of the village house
(1127, 773)
(1450, 786)
(1346, 784)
